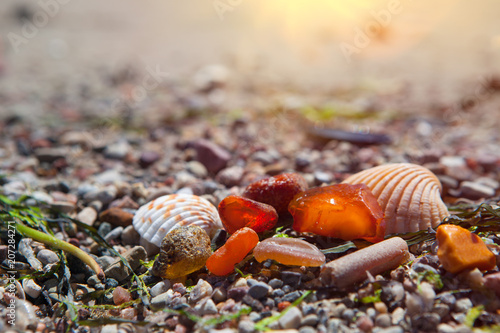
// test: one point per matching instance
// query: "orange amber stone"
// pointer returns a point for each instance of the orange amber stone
(343, 211)
(276, 191)
(238, 212)
(222, 261)
(289, 251)
(459, 249)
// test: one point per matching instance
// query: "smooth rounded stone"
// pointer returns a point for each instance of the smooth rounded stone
(338, 310)
(121, 295)
(183, 251)
(231, 176)
(246, 326)
(31, 289)
(105, 195)
(391, 329)
(105, 261)
(428, 294)
(291, 297)
(47, 257)
(109, 328)
(463, 305)
(237, 293)
(398, 315)
(212, 156)
(118, 150)
(276, 283)
(201, 290)
(474, 191)
(160, 288)
(130, 236)
(197, 169)
(291, 278)
(49, 155)
(442, 310)
(445, 328)
(383, 320)
(111, 283)
(291, 319)
(448, 299)
(277, 293)
(490, 182)
(310, 320)
(321, 177)
(87, 215)
(307, 329)
(258, 290)
(414, 304)
(114, 234)
(348, 315)
(64, 207)
(42, 197)
(117, 217)
(104, 229)
(24, 315)
(134, 256)
(148, 158)
(161, 301)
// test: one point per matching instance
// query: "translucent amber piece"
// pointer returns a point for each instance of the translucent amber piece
(289, 251)
(343, 211)
(238, 212)
(276, 191)
(460, 249)
(222, 261)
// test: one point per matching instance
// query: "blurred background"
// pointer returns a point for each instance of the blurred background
(434, 52)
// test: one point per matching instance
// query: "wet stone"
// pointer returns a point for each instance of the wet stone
(258, 290)
(291, 278)
(275, 283)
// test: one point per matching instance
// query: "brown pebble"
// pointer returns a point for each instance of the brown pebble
(121, 295)
(129, 313)
(283, 305)
(117, 217)
(375, 259)
(364, 323)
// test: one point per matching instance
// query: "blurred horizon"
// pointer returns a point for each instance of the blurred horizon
(436, 48)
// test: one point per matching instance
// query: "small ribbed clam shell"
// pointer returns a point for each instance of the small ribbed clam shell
(158, 217)
(409, 194)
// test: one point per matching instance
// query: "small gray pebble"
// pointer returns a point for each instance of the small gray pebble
(277, 293)
(310, 320)
(114, 234)
(291, 278)
(254, 316)
(348, 315)
(219, 294)
(47, 257)
(201, 290)
(287, 289)
(291, 297)
(105, 261)
(463, 305)
(246, 326)
(307, 329)
(130, 236)
(383, 320)
(104, 229)
(160, 288)
(31, 289)
(258, 290)
(276, 283)
(291, 319)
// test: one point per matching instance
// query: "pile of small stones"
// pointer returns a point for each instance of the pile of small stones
(101, 174)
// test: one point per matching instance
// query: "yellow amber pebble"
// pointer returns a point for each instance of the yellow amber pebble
(459, 249)
(342, 211)
(289, 251)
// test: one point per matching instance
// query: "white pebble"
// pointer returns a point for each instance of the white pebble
(31, 289)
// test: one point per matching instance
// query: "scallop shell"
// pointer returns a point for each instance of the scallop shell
(409, 194)
(160, 216)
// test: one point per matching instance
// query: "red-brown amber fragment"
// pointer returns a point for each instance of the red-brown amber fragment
(343, 211)
(276, 191)
(237, 212)
(222, 261)
(289, 251)
(459, 249)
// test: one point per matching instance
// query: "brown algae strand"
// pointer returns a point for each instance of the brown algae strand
(289, 251)
(375, 259)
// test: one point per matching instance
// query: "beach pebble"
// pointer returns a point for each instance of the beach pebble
(201, 290)
(230, 176)
(130, 236)
(87, 215)
(258, 290)
(291, 319)
(473, 190)
(117, 217)
(160, 288)
(121, 295)
(212, 156)
(47, 257)
(148, 158)
(31, 289)
(134, 256)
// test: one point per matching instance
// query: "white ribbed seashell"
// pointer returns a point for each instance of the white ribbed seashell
(409, 194)
(160, 216)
